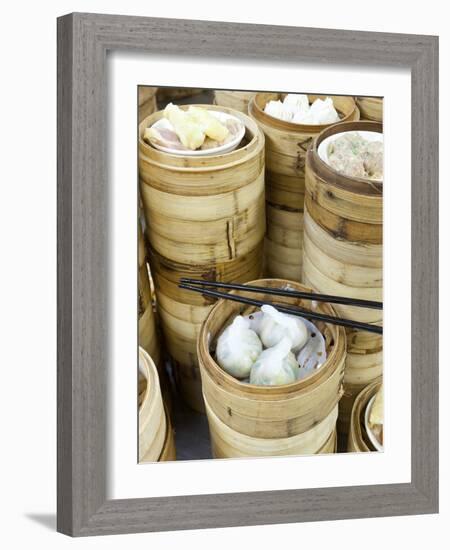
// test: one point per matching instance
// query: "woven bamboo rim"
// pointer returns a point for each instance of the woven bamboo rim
(254, 144)
(345, 106)
(358, 440)
(361, 186)
(152, 417)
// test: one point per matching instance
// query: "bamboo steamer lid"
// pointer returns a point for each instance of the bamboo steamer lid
(286, 147)
(278, 411)
(152, 417)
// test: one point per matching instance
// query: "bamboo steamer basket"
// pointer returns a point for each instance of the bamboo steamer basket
(204, 210)
(205, 219)
(286, 146)
(233, 99)
(181, 313)
(371, 108)
(168, 452)
(343, 255)
(227, 443)
(147, 101)
(152, 416)
(358, 441)
(148, 338)
(288, 416)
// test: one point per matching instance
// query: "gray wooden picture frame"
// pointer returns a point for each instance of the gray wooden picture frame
(83, 42)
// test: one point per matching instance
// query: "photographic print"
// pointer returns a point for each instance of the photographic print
(227, 318)
(260, 231)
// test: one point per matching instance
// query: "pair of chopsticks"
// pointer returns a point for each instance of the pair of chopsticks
(200, 286)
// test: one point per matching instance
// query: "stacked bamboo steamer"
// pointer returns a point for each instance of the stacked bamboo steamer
(249, 421)
(168, 94)
(286, 146)
(371, 108)
(156, 438)
(148, 337)
(233, 100)
(358, 441)
(205, 220)
(343, 234)
(147, 101)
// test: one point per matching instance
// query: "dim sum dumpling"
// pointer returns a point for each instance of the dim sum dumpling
(275, 366)
(209, 124)
(278, 110)
(238, 347)
(190, 133)
(322, 111)
(276, 325)
(296, 103)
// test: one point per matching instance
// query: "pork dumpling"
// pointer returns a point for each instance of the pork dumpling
(238, 347)
(275, 366)
(373, 159)
(276, 325)
(190, 133)
(209, 124)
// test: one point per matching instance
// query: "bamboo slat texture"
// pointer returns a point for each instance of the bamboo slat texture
(205, 219)
(147, 101)
(152, 416)
(233, 99)
(148, 336)
(343, 255)
(286, 146)
(358, 440)
(250, 420)
(371, 108)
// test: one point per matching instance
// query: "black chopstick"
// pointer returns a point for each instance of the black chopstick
(283, 309)
(286, 292)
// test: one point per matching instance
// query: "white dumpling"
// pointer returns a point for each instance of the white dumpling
(323, 111)
(275, 366)
(278, 110)
(238, 347)
(276, 325)
(296, 103)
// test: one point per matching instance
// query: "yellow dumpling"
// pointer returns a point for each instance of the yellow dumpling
(188, 130)
(209, 124)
